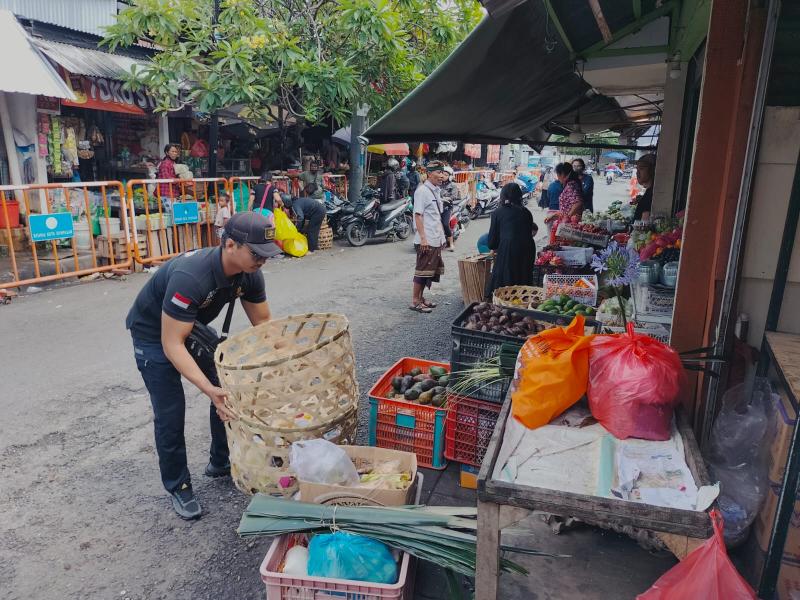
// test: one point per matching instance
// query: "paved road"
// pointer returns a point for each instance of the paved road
(82, 511)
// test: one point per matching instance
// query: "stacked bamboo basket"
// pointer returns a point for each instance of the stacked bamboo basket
(474, 273)
(325, 240)
(518, 296)
(287, 380)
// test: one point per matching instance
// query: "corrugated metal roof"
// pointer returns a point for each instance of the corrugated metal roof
(25, 70)
(90, 16)
(82, 61)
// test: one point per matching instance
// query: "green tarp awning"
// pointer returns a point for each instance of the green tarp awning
(509, 81)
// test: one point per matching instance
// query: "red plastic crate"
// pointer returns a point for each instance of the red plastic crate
(407, 426)
(469, 427)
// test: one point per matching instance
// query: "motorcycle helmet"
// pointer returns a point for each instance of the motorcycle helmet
(287, 200)
(393, 164)
(449, 171)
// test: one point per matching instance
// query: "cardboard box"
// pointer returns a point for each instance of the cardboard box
(469, 477)
(363, 457)
(118, 247)
(788, 586)
(766, 517)
(785, 417)
(19, 239)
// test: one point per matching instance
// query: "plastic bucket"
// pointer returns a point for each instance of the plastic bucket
(109, 227)
(83, 240)
(12, 206)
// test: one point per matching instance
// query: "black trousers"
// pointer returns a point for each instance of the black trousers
(312, 230)
(169, 409)
(448, 233)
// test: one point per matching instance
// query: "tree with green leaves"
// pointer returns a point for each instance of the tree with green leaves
(305, 59)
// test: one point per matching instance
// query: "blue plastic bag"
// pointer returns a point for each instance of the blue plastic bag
(343, 555)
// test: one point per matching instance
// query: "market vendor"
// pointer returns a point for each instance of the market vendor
(314, 175)
(645, 174)
(166, 170)
(186, 293)
(310, 214)
(570, 201)
(429, 238)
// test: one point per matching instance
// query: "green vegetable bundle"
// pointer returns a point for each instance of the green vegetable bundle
(439, 534)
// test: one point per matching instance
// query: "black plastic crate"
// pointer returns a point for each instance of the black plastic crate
(471, 347)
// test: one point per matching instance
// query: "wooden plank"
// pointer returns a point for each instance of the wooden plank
(487, 569)
(785, 349)
(511, 515)
(694, 459)
(600, 19)
(495, 443)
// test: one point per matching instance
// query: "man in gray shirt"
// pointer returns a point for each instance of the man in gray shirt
(314, 175)
(429, 239)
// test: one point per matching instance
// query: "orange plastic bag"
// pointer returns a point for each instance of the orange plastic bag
(706, 573)
(554, 374)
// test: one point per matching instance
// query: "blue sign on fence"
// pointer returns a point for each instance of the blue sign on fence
(56, 226)
(185, 212)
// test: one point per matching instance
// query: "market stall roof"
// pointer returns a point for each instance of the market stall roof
(390, 149)
(25, 70)
(504, 83)
(515, 77)
(83, 61)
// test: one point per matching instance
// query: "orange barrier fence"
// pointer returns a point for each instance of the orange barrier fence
(337, 183)
(76, 234)
(175, 216)
(241, 189)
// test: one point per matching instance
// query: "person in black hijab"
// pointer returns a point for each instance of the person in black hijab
(511, 235)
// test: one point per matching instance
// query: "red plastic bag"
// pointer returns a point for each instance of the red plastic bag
(199, 149)
(706, 573)
(635, 383)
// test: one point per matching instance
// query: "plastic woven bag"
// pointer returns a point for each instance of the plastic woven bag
(348, 556)
(635, 383)
(320, 461)
(553, 375)
(706, 573)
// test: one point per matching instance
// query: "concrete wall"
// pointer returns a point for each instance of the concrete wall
(775, 167)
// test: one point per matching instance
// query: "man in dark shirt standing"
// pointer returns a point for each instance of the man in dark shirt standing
(587, 183)
(645, 174)
(264, 194)
(190, 288)
(307, 210)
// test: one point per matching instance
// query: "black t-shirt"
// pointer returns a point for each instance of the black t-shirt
(190, 287)
(307, 209)
(644, 204)
(259, 194)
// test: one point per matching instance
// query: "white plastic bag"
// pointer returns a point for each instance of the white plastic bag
(320, 461)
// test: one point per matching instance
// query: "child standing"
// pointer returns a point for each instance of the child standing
(223, 213)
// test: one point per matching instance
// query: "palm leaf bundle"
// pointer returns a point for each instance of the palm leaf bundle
(442, 535)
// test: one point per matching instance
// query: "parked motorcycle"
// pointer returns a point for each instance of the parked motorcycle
(336, 208)
(487, 199)
(528, 186)
(372, 219)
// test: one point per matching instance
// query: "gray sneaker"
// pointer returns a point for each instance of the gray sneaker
(214, 471)
(185, 503)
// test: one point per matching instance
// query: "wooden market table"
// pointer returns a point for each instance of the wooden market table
(501, 504)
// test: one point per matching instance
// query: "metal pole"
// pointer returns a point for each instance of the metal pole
(213, 127)
(356, 176)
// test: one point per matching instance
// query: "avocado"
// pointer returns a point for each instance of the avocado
(425, 397)
(428, 384)
(437, 372)
(444, 380)
(408, 381)
(415, 371)
(439, 400)
(411, 394)
(439, 389)
(397, 383)
(419, 378)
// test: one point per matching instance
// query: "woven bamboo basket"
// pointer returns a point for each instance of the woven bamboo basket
(325, 241)
(474, 273)
(287, 380)
(518, 296)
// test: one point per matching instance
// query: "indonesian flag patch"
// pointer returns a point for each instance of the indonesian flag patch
(181, 301)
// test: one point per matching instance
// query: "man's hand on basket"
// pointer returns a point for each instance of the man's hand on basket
(218, 397)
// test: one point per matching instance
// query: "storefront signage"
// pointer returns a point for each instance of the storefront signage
(99, 93)
(56, 226)
(184, 213)
(48, 105)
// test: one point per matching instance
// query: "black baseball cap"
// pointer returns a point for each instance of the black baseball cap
(254, 230)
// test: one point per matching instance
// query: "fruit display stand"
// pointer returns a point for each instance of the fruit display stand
(502, 504)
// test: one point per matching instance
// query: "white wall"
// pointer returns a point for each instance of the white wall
(775, 167)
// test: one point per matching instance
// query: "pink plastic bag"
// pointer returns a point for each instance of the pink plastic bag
(706, 573)
(635, 383)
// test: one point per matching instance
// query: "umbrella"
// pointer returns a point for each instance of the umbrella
(342, 136)
(615, 155)
(390, 149)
